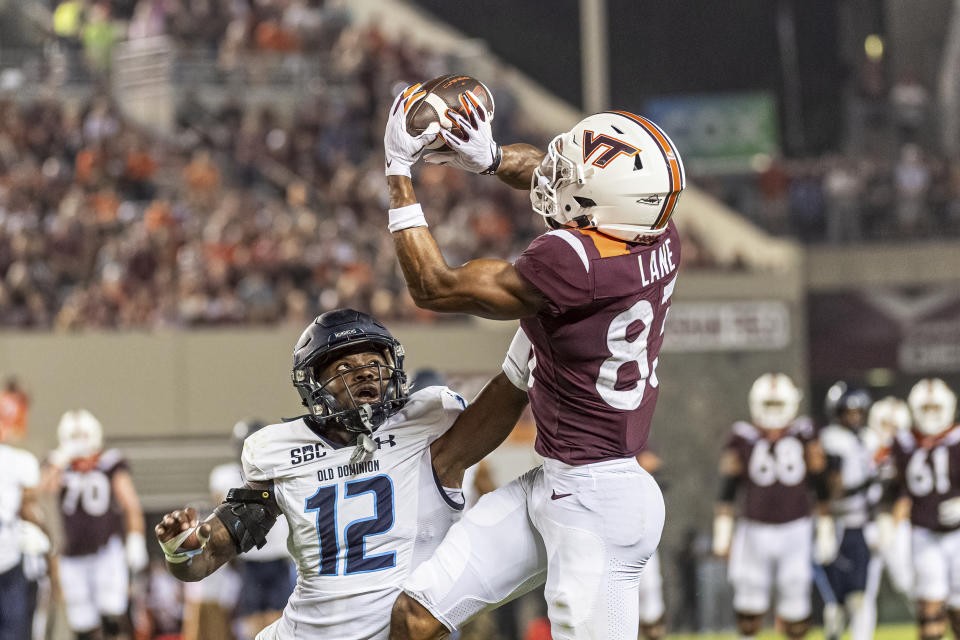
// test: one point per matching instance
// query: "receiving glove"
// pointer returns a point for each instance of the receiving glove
(402, 150)
(476, 152)
(136, 551)
(825, 547)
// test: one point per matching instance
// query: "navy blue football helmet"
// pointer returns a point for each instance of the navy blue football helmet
(842, 396)
(332, 335)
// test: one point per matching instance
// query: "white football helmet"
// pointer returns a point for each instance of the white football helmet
(615, 171)
(80, 434)
(774, 401)
(933, 406)
(888, 417)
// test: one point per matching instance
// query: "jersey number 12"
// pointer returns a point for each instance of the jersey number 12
(324, 504)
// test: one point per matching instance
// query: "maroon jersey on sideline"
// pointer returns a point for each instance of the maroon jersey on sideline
(773, 485)
(596, 342)
(929, 476)
(91, 514)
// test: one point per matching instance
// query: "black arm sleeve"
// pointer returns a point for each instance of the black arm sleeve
(728, 488)
(247, 516)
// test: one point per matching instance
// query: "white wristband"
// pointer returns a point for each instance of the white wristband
(406, 217)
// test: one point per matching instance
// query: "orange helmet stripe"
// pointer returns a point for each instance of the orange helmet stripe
(675, 170)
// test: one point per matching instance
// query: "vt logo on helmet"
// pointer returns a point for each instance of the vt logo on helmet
(615, 171)
(357, 395)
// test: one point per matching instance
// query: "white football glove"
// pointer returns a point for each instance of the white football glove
(402, 150)
(722, 534)
(884, 533)
(31, 539)
(825, 544)
(136, 551)
(949, 512)
(478, 152)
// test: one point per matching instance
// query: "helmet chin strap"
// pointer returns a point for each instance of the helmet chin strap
(365, 444)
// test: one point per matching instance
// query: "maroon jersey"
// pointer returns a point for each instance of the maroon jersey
(773, 486)
(91, 514)
(595, 344)
(929, 476)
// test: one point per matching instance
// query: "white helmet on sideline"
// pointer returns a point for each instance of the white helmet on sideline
(774, 401)
(888, 417)
(933, 406)
(615, 171)
(80, 434)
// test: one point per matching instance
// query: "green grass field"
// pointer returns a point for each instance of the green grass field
(885, 632)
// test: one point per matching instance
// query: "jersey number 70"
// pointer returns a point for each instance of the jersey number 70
(324, 504)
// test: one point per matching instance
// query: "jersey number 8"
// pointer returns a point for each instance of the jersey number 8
(623, 351)
(324, 504)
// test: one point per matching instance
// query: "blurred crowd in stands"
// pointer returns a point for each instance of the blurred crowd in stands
(240, 217)
(909, 193)
(248, 214)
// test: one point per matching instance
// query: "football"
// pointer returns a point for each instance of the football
(441, 94)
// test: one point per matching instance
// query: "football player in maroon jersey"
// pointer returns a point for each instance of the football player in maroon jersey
(770, 463)
(927, 461)
(102, 527)
(592, 296)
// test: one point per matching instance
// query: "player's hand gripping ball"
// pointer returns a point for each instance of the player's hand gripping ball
(401, 148)
(440, 98)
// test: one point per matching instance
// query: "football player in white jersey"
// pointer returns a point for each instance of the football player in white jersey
(368, 481)
(19, 533)
(852, 472)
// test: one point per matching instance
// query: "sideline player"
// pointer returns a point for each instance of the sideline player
(852, 472)
(592, 296)
(20, 522)
(771, 462)
(368, 480)
(890, 541)
(267, 573)
(928, 474)
(98, 503)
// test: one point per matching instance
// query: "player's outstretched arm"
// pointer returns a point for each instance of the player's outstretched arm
(478, 430)
(519, 161)
(475, 150)
(195, 549)
(486, 287)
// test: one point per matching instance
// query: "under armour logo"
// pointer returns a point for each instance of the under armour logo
(613, 148)
(390, 440)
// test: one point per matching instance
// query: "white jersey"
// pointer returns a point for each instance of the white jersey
(229, 476)
(856, 470)
(19, 470)
(356, 530)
